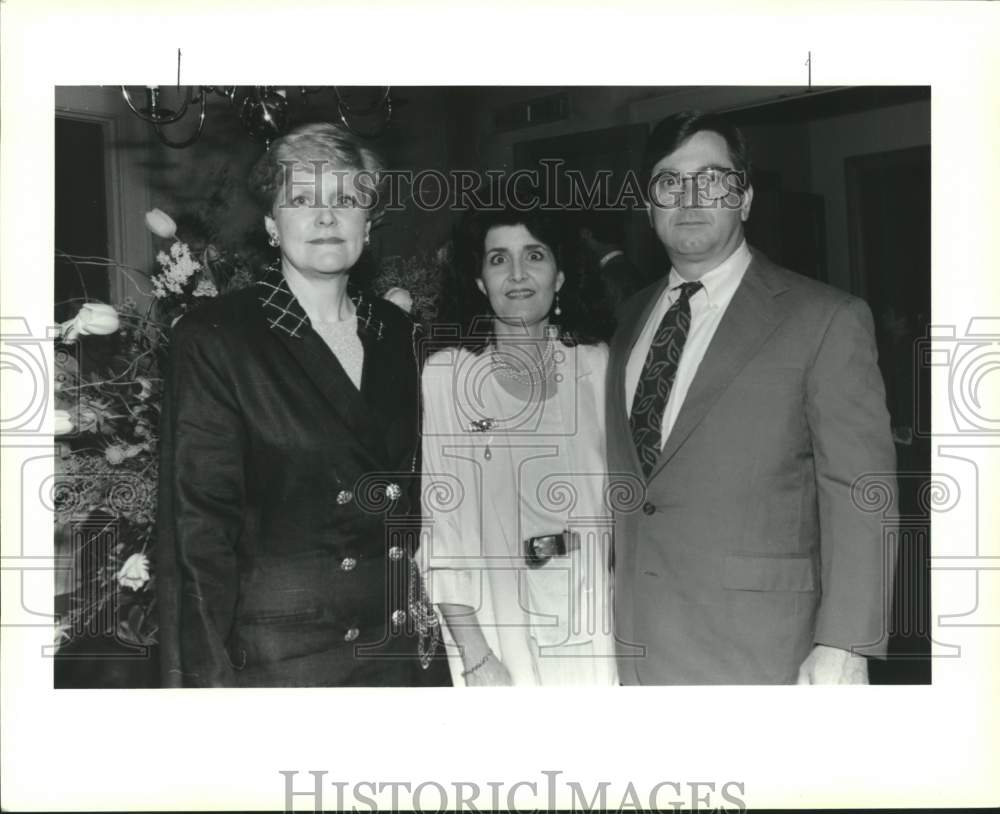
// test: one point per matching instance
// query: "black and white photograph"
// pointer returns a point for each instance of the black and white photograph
(663, 401)
(356, 347)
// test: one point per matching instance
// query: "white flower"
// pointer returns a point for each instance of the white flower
(115, 454)
(94, 318)
(178, 267)
(205, 288)
(64, 422)
(161, 224)
(135, 572)
(399, 297)
(146, 387)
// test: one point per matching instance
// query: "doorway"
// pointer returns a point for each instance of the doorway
(81, 215)
(888, 201)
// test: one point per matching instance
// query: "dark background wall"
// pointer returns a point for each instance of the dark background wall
(799, 145)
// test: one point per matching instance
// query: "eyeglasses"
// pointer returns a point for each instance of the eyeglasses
(670, 189)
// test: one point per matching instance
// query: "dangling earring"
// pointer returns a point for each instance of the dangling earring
(273, 241)
(368, 238)
(557, 311)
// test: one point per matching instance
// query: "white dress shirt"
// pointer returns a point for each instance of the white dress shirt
(707, 307)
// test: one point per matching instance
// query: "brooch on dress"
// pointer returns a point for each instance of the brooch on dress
(484, 425)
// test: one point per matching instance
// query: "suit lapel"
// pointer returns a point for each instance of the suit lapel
(384, 365)
(750, 319)
(325, 372)
(356, 410)
(386, 378)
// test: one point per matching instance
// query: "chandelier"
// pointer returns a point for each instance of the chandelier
(263, 110)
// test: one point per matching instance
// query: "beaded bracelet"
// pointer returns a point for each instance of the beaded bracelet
(477, 665)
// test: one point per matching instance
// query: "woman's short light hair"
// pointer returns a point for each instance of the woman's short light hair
(307, 145)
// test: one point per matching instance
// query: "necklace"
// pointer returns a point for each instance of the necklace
(525, 369)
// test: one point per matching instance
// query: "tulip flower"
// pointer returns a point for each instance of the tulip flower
(161, 224)
(399, 297)
(135, 572)
(94, 318)
(64, 422)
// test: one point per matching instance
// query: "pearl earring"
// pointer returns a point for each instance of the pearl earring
(557, 311)
(273, 241)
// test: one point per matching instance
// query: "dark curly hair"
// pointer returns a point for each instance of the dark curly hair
(466, 318)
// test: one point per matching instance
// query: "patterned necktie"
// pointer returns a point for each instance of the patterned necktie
(657, 377)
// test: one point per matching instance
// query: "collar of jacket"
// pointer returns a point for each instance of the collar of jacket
(284, 313)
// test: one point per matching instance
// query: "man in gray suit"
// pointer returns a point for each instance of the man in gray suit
(748, 402)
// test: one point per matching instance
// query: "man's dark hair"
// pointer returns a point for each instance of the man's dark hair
(674, 130)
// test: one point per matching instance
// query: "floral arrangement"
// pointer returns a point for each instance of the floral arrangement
(106, 427)
(184, 282)
(105, 424)
(414, 283)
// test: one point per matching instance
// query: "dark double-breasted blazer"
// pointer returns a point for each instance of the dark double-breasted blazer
(755, 536)
(289, 499)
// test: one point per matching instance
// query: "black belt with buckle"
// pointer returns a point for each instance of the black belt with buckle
(539, 550)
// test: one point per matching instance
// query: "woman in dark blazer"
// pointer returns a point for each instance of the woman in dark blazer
(289, 506)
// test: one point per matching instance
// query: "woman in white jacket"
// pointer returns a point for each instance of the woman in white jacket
(518, 535)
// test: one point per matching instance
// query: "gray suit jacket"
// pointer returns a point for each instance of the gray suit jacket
(754, 539)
